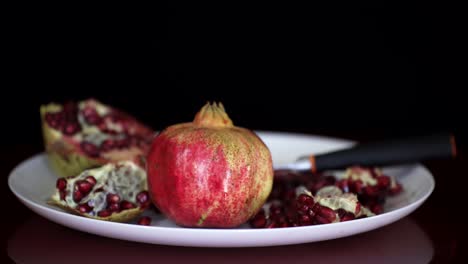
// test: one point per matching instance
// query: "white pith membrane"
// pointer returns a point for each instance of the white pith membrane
(333, 198)
(364, 175)
(125, 178)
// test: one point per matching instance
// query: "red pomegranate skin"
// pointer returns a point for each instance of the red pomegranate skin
(205, 175)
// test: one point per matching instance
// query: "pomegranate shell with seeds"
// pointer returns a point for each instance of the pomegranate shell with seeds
(209, 173)
(86, 134)
(114, 192)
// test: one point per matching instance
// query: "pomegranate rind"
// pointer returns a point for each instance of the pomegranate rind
(102, 175)
(62, 155)
(65, 155)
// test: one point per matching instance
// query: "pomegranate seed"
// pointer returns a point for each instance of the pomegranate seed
(48, 117)
(305, 220)
(90, 149)
(54, 124)
(259, 221)
(61, 124)
(114, 207)
(143, 198)
(371, 191)
(61, 184)
(383, 182)
(91, 179)
(316, 208)
(321, 220)
(113, 198)
(123, 143)
(327, 213)
(302, 198)
(55, 120)
(280, 219)
(306, 200)
(275, 211)
(126, 205)
(341, 212)
(91, 116)
(395, 190)
(104, 213)
(272, 224)
(347, 217)
(84, 208)
(356, 186)
(51, 120)
(107, 145)
(145, 220)
(303, 209)
(71, 128)
(343, 185)
(108, 131)
(77, 196)
(377, 208)
(84, 186)
(358, 208)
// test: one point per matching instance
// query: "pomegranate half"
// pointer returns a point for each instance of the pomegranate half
(86, 134)
(209, 173)
(114, 192)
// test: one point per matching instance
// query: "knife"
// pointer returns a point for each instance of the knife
(380, 153)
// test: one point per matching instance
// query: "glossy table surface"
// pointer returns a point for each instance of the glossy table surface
(434, 233)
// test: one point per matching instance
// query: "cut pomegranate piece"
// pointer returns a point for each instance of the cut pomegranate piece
(329, 205)
(114, 192)
(88, 134)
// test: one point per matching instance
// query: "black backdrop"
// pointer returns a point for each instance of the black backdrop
(378, 69)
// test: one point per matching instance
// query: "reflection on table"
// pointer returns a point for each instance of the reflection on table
(42, 241)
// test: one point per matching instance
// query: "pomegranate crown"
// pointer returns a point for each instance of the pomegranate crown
(212, 115)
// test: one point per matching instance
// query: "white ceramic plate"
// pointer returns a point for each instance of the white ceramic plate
(33, 182)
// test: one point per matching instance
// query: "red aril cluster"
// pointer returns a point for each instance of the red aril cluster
(301, 199)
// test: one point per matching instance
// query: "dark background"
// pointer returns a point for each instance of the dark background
(364, 71)
(378, 68)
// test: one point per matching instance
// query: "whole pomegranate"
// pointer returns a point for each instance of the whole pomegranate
(209, 173)
(86, 134)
